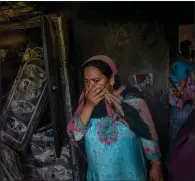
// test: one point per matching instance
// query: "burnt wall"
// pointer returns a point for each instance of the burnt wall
(135, 48)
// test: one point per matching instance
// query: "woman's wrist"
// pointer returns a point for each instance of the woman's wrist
(156, 162)
(89, 106)
(86, 114)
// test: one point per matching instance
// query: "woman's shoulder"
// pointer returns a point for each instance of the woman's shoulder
(182, 64)
(181, 69)
(133, 98)
(131, 93)
(129, 96)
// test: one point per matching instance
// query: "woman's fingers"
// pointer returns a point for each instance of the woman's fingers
(94, 90)
(100, 96)
(177, 89)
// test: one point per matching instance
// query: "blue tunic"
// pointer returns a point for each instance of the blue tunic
(121, 160)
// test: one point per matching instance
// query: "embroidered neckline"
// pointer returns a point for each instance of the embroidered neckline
(107, 130)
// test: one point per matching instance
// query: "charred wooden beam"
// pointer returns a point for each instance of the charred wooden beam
(67, 92)
(53, 82)
(31, 23)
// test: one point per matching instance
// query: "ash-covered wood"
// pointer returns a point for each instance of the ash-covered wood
(24, 105)
(17, 11)
(11, 168)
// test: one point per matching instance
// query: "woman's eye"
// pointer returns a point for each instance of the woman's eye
(96, 81)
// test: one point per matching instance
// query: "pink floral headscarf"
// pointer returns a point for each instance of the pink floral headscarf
(110, 111)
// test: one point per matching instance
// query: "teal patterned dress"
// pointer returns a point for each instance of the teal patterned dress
(114, 152)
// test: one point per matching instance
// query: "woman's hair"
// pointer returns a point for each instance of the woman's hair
(105, 70)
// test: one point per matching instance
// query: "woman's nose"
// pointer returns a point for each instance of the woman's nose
(90, 84)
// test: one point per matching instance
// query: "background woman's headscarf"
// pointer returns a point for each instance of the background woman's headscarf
(181, 70)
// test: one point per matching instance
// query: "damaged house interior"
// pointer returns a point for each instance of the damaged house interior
(43, 46)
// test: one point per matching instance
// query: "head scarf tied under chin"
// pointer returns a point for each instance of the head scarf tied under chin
(130, 118)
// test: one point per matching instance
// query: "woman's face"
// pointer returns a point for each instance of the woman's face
(93, 76)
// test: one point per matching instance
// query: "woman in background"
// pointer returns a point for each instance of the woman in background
(182, 96)
(182, 160)
(117, 127)
(182, 85)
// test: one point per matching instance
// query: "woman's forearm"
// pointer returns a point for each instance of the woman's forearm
(86, 114)
(185, 96)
